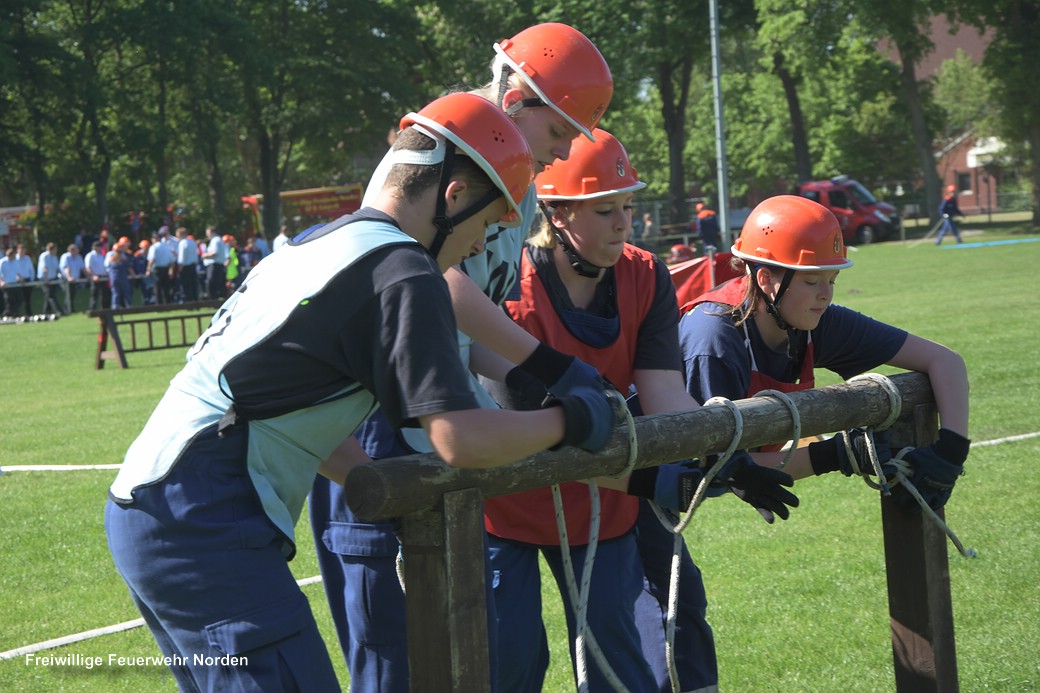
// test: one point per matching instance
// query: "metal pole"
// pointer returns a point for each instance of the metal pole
(720, 126)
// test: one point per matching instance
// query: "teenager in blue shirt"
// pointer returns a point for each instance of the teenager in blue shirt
(769, 329)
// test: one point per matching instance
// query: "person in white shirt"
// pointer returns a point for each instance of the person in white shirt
(26, 274)
(214, 259)
(281, 239)
(9, 284)
(72, 271)
(161, 265)
(47, 272)
(188, 265)
(100, 291)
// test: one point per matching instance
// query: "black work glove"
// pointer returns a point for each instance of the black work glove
(760, 487)
(527, 389)
(831, 455)
(590, 417)
(934, 471)
(671, 486)
(558, 372)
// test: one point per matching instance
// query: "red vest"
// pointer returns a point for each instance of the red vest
(529, 516)
(731, 293)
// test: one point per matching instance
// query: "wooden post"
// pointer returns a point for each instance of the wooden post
(447, 602)
(919, 602)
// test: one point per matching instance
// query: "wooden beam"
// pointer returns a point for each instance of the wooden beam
(394, 487)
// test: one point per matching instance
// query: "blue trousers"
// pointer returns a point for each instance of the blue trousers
(208, 572)
(358, 562)
(615, 585)
(948, 225)
(694, 649)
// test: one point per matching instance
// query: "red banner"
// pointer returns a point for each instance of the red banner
(694, 277)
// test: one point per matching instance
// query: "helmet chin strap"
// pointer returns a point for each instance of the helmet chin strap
(579, 264)
(444, 224)
(773, 305)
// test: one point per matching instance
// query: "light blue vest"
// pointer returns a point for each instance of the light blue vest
(284, 451)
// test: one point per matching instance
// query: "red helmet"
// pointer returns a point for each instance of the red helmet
(680, 253)
(563, 67)
(595, 168)
(951, 188)
(793, 232)
(484, 133)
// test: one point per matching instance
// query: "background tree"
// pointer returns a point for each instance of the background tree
(1010, 64)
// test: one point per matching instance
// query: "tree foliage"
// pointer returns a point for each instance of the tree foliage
(111, 107)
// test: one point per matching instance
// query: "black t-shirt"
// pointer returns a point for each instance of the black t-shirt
(385, 324)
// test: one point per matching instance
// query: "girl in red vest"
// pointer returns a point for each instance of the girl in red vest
(585, 291)
(771, 327)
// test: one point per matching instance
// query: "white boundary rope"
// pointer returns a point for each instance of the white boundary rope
(57, 467)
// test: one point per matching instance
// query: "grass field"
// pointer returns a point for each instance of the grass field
(799, 606)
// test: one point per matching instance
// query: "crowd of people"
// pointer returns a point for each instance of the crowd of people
(447, 308)
(168, 268)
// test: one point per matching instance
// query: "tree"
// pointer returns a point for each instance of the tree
(1010, 63)
(903, 22)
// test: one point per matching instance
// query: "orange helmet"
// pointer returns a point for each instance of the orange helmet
(793, 232)
(484, 133)
(563, 67)
(595, 168)
(680, 253)
(143, 245)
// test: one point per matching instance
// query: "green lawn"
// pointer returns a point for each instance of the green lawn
(799, 606)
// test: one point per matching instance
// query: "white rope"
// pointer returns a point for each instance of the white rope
(677, 529)
(903, 470)
(399, 567)
(895, 400)
(796, 422)
(579, 597)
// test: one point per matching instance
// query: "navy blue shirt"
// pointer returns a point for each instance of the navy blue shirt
(717, 363)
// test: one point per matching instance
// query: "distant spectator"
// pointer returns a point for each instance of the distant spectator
(161, 267)
(97, 273)
(281, 239)
(232, 272)
(648, 226)
(188, 265)
(141, 276)
(214, 260)
(72, 271)
(949, 209)
(48, 272)
(679, 253)
(707, 223)
(248, 256)
(9, 284)
(261, 245)
(118, 264)
(26, 273)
